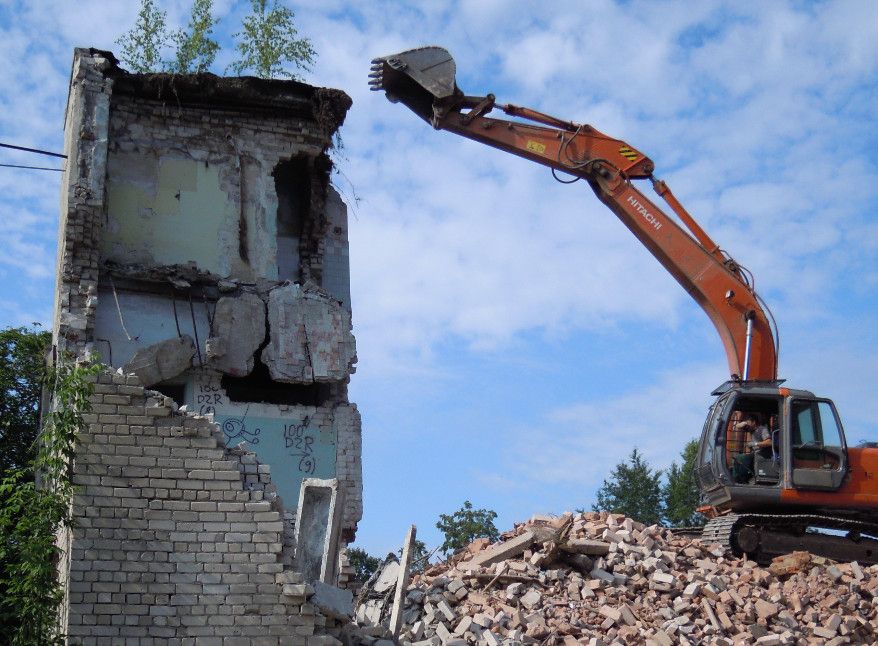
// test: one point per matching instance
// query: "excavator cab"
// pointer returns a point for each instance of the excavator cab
(807, 449)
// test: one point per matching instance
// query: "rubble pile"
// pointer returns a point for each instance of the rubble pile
(598, 578)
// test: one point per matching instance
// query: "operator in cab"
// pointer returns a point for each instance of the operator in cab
(760, 441)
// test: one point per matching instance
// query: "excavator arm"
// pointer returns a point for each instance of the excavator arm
(424, 80)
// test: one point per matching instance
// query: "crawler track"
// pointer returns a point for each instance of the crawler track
(764, 536)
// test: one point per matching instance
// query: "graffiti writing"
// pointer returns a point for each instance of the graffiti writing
(302, 446)
(235, 427)
(209, 396)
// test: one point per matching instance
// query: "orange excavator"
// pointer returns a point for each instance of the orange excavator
(774, 470)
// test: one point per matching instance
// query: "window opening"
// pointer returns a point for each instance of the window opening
(292, 181)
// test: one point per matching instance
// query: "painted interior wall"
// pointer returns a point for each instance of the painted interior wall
(165, 210)
(148, 319)
(297, 441)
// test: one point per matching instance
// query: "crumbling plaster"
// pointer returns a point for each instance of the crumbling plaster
(168, 253)
(184, 190)
(82, 201)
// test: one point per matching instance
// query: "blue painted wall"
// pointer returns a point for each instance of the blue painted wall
(294, 448)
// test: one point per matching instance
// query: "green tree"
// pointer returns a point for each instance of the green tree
(196, 50)
(364, 564)
(31, 514)
(466, 525)
(141, 45)
(269, 43)
(680, 493)
(420, 556)
(633, 489)
(22, 374)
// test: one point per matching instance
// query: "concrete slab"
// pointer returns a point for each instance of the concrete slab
(333, 602)
(310, 337)
(237, 332)
(163, 360)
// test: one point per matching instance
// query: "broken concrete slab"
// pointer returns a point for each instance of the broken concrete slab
(586, 547)
(402, 581)
(333, 602)
(237, 331)
(310, 337)
(500, 552)
(162, 361)
(388, 577)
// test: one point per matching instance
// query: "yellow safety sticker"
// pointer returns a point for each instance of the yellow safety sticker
(627, 153)
(536, 146)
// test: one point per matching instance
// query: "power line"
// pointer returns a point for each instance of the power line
(31, 167)
(34, 150)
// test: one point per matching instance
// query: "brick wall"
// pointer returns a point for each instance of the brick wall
(176, 540)
(180, 539)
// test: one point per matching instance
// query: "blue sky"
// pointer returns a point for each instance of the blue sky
(515, 341)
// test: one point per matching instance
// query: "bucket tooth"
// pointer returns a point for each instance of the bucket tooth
(417, 77)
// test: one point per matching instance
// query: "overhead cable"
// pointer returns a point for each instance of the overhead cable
(60, 170)
(33, 150)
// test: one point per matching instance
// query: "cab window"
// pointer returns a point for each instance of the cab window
(815, 435)
(814, 424)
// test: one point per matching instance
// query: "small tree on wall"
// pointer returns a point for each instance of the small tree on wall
(196, 50)
(269, 43)
(141, 45)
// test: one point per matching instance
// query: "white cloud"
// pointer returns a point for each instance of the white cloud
(576, 445)
(430, 261)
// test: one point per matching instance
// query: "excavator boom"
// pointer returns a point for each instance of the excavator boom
(424, 80)
(762, 500)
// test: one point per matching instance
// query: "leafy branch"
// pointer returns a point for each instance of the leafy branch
(141, 45)
(268, 43)
(31, 513)
(196, 50)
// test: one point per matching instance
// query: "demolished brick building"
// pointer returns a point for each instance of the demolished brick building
(203, 255)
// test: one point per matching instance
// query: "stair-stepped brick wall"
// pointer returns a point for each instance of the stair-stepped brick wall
(172, 544)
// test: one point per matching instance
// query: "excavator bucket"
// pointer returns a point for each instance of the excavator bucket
(417, 78)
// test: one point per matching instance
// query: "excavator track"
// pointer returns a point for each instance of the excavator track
(765, 536)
